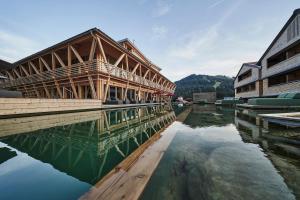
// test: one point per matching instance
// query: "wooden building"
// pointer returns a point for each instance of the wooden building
(90, 65)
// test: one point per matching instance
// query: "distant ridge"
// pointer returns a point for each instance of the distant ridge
(223, 85)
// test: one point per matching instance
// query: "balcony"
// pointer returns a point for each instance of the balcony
(86, 68)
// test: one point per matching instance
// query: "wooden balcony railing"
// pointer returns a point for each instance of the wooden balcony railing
(88, 67)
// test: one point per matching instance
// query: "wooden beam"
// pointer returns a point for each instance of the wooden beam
(36, 91)
(76, 54)
(58, 89)
(135, 68)
(9, 75)
(59, 60)
(106, 89)
(24, 70)
(101, 49)
(34, 67)
(17, 73)
(45, 64)
(46, 90)
(146, 73)
(92, 50)
(91, 82)
(73, 87)
(125, 92)
(126, 62)
(119, 59)
(153, 77)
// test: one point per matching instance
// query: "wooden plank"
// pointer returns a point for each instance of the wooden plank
(130, 177)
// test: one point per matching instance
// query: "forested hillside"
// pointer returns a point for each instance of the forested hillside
(223, 85)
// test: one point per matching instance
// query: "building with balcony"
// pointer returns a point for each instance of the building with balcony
(90, 65)
(280, 63)
(278, 70)
(247, 82)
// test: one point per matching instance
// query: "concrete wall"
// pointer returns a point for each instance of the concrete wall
(15, 106)
(204, 96)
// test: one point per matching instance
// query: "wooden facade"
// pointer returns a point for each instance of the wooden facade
(90, 65)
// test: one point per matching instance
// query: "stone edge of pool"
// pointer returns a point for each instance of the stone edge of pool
(13, 108)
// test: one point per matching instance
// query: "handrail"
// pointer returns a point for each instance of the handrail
(87, 67)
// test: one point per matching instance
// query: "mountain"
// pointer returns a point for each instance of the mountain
(223, 85)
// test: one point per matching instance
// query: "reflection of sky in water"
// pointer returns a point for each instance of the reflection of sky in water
(214, 163)
(24, 175)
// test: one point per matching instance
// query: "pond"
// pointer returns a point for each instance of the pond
(217, 153)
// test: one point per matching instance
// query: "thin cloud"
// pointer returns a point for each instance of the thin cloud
(159, 31)
(14, 47)
(162, 8)
(216, 4)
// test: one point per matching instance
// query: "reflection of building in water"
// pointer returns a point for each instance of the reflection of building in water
(280, 143)
(90, 149)
(209, 97)
(203, 108)
(207, 115)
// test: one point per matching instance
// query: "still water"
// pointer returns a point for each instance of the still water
(222, 153)
(63, 156)
(217, 153)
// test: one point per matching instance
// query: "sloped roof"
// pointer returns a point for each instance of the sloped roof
(126, 40)
(295, 13)
(249, 64)
(4, 65)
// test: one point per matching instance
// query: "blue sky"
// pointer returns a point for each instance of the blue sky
(181, 36)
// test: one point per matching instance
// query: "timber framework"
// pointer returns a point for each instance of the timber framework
(90, 65)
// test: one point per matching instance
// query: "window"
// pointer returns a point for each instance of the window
(284, 78)
(246, 88)
(276, 80)
(245, 75)
(286, 54)
(294, 76)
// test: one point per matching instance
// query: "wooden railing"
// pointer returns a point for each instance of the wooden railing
(88, 67)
